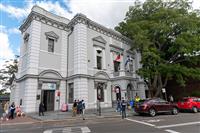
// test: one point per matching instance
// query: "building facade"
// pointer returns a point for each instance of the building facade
(62, 60)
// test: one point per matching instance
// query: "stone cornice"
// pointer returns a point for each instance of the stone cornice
(77, 76)
(80, 18)
(36, 77)
(44, 19)
(39, 14)
(116, 48)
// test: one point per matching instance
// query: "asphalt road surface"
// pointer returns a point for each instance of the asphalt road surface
(181, 123)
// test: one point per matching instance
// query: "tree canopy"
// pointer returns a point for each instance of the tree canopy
(167, 33)
(7, 74)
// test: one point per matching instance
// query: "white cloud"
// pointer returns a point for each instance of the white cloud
(106, 12)
(54, 7)
(13, 11)
(6, 52)
(196, 4)
(9, 31)
(13, 31)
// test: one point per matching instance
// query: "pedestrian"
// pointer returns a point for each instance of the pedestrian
(6, 108)
(171, 99)
(74, 108)
(119, 108)
(123, 105)
(82, 109)
(79, 104)
(137, 98)
(41, 109)
(12, 110)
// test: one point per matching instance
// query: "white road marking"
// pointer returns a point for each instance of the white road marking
(85, 130)
(66, 130)
(48, 131)
(152, 121)
(69, 130)
(177, 125)
(171, 131)
(148, 124)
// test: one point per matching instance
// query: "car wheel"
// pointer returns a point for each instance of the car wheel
(152, 112)
(174, 111)
(194, 109)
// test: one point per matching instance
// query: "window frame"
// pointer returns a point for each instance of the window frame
(51, 45)
(70, 92)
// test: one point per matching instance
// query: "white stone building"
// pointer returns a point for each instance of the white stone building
(79, 58)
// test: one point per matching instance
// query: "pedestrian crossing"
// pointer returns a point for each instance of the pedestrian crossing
(69, 130)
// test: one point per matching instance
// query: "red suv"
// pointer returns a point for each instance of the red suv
(154, 106)
(189, 103)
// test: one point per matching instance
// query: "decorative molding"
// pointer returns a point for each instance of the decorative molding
(99, 39)
(42, 74)
(51, 35)
(116, 48)
(43, 19)
(79, 18)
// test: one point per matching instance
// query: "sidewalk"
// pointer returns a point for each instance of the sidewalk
(58, 116)
(18, 121)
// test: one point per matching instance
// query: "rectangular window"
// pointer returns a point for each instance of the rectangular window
(50, 45)
(99, 62)
(131, 67)
(71, 93)
(116, 66)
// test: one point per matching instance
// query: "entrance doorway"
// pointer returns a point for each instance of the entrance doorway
(48, 99)
(118, 92)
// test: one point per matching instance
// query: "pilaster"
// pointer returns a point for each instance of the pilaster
(64, 54)
(29, 102)
(34, 48)
(80, 49)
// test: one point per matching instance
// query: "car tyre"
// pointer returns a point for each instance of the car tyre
(152, 112)
(174, 111)
(194, 109)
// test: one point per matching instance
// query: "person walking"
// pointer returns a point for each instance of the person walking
(119, 108)
(171, 99)
(41, 109)
(74, 108)
(12, 110)
(82, 109)
(123, 105)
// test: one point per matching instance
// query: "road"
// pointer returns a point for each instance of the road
(181, 123)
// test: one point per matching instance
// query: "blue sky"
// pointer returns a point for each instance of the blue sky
(12, 13)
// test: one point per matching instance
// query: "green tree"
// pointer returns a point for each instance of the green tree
(7, 74)
(167, 33)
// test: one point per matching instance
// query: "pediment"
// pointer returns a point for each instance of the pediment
(50, 74)
(101, 75)
(99, 39)
(52, 35)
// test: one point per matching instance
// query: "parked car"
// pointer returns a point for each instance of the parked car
(189, 103)
(155, 106)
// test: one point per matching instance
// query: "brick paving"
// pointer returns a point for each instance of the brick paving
(18, 120)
